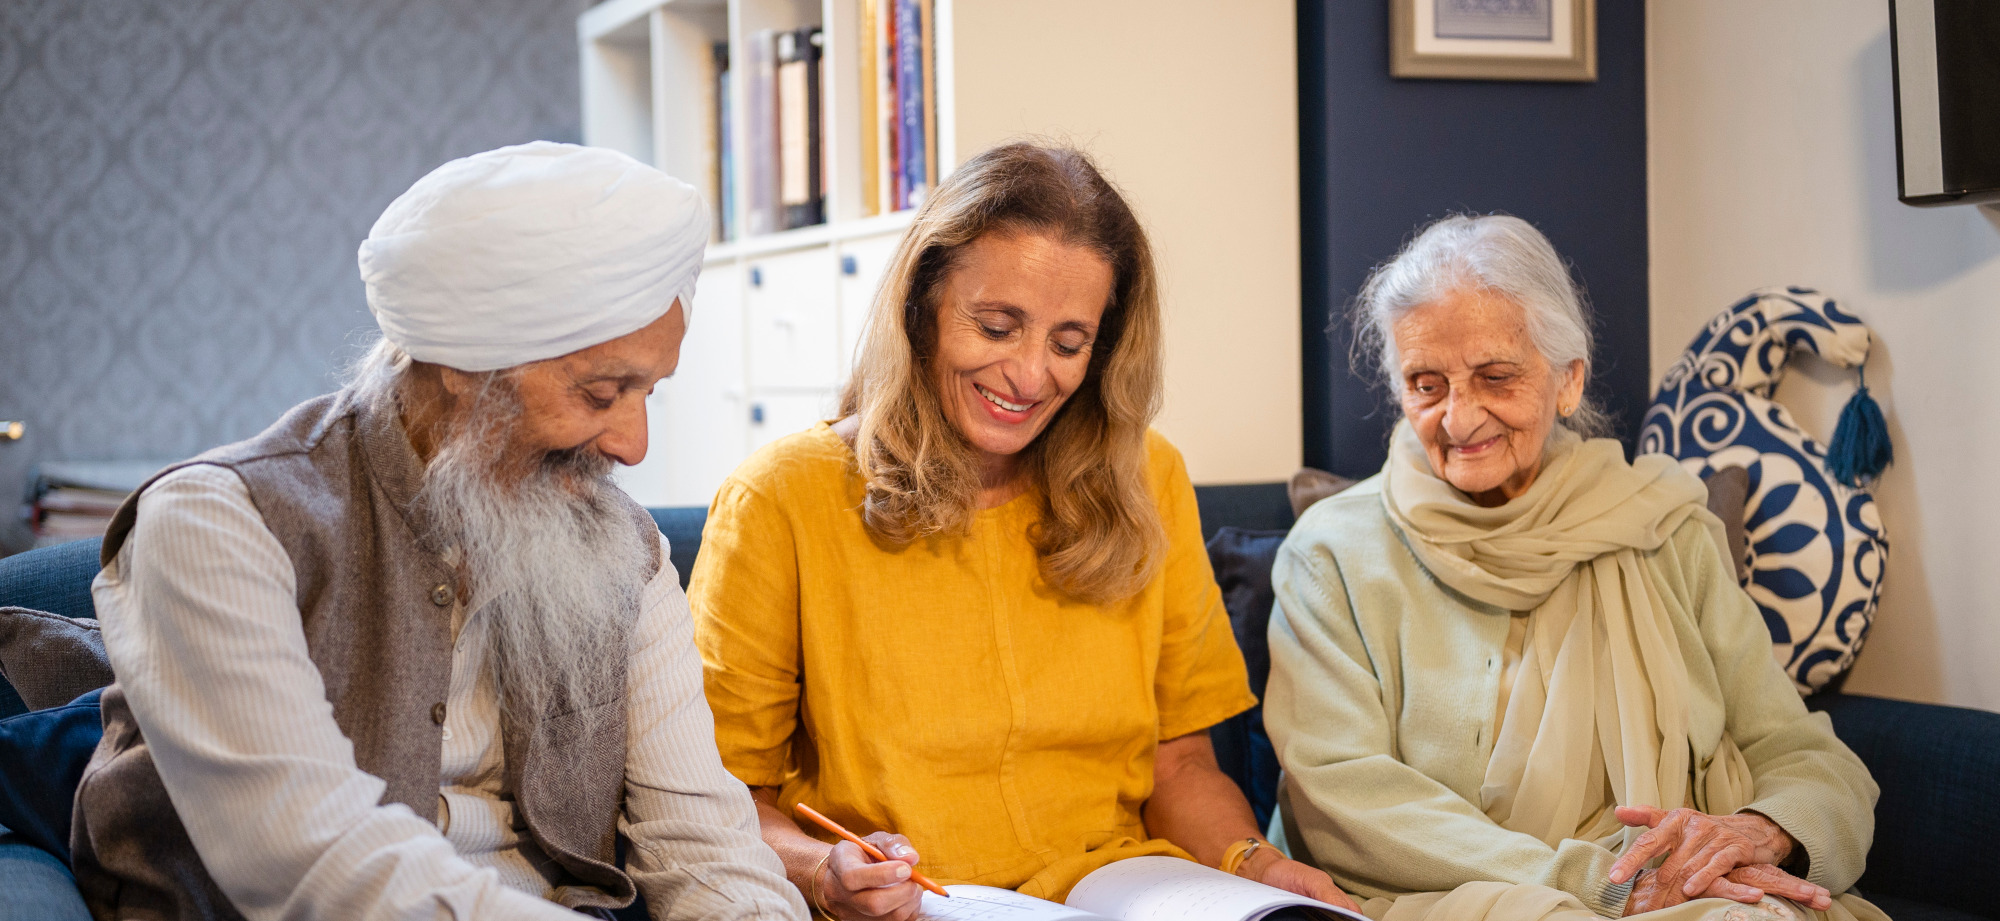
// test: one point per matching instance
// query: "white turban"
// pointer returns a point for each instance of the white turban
(531, 252)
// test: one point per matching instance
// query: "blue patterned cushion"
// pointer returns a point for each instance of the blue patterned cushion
(1817, 549)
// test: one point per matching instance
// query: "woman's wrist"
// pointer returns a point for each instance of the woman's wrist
(815, 891)
(1256, 861)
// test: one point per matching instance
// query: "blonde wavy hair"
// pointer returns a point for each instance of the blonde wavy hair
(1099, 537)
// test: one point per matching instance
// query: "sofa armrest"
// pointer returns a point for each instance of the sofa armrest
(1937, 824)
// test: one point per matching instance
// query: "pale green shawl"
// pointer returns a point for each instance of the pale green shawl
(1598, 717)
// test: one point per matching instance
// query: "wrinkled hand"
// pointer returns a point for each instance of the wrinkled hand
(1703, 854)
(1743, 884)
(856, 888)
(1271, 868)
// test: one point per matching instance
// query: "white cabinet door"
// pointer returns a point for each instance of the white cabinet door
(793, 325)
(775, 415)
(698, 420)
(863, 262)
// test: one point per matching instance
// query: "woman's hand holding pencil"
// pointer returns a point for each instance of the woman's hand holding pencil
(871, 878)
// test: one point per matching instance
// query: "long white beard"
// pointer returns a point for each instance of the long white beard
(559, 563)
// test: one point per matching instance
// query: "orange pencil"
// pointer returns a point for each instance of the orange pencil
(866, 848)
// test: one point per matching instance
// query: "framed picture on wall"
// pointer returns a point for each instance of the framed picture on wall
(1493, 39)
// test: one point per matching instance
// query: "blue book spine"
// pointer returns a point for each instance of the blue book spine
(910, 102)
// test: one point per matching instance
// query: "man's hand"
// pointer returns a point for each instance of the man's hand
(1271, 868)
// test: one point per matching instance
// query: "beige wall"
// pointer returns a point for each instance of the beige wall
(1192, 108)
(1772, 160)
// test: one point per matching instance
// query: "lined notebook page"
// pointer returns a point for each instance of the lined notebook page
(984, 903)
(1171, 889)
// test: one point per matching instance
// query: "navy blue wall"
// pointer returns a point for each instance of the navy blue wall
(1378, 157)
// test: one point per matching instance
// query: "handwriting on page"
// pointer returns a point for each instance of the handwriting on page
(983, 903)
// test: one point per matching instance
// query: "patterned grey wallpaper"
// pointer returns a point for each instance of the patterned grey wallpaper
(183, 184)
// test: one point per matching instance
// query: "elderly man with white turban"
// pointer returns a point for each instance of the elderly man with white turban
(409, 653)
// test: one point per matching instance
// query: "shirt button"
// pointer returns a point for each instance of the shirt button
(441, 596)
(437, 713)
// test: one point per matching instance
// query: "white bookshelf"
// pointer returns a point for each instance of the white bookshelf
(1189, 105)
(776, 314)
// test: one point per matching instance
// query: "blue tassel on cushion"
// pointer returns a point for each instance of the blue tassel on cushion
(1860, 449)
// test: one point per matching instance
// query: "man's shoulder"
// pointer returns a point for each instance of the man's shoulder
(226, 471)
(196, 478)
(297, 433)
(300, 430)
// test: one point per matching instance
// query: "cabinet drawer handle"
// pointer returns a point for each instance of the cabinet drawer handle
(848, 266)
(757, 414)
(756, 277)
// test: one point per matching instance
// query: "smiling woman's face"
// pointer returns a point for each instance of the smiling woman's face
(1016, 322)
(1480, 396)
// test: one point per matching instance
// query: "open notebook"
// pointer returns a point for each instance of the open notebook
(1139, 889)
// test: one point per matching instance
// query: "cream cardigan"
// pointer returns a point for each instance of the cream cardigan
(1382, 699)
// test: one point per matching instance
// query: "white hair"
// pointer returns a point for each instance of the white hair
(557, 561)
(1495, 252)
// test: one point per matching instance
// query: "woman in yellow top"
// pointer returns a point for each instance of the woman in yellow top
(976, 610)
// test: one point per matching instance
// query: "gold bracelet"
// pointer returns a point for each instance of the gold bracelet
(1239, 854)
(814, 897)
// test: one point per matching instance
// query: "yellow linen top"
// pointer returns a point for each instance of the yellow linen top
(943, 689)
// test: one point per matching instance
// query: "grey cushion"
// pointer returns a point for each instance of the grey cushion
(1728, 491)
(51, 659)
(1310, 485)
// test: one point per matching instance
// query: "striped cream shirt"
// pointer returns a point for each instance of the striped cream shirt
(202, 626)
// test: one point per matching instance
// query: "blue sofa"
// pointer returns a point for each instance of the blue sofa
(1936, 854)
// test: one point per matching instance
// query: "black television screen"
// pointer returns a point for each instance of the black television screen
(1946, 61)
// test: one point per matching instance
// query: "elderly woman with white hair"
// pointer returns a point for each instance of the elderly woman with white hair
(1513, 675)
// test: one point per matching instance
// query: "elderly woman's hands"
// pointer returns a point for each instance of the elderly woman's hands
(1707, 856)
(1656, 890)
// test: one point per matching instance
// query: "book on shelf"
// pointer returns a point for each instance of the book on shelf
(763, 214)
(1138, 889)
(929, 33)
(800, 175)
(884, 52)
(870, 116)
(899, 158)
(913, 183)
(772, 172)
(911, 179)
(725, 143)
